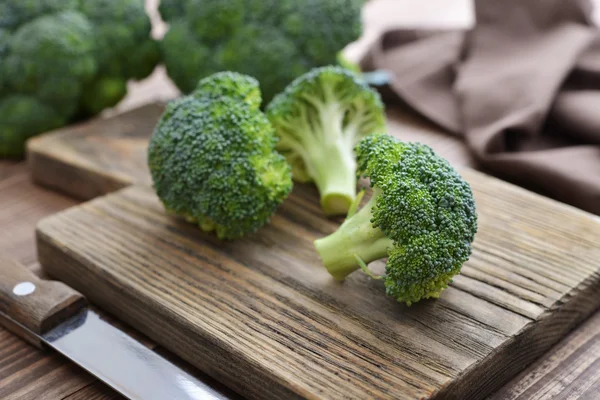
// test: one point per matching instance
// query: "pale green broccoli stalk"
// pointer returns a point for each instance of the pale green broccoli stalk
(421, 216)
(272, 40)
(213, 161)
(320, 117)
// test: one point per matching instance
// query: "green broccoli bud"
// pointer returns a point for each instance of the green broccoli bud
(143, 61)
(51, 58)
(17, 12)
(74, 57)
(185, 56)
(169, 10)
(213, 159)
(331, 23)
(224, 17)
(20, 118)
(123, 46)
(268, 48)
(421, 216)
(320, 117)
(102, 93)
(272, 40)
(231, 84)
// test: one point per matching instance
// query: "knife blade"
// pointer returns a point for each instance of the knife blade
(51, 314)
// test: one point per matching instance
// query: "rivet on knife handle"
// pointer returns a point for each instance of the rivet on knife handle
(35, 304)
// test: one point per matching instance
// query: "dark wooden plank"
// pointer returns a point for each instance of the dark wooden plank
(95, 391)
(22, 204)
(570, 371)
(29, 373)
(263, 316)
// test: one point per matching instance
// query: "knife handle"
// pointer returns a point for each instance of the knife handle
(35, 304)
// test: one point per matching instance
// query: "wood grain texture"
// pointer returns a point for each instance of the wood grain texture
(22, 204)
(97, 157)
(570, 371)
(50, 303)
(95, 391)
(264, 317)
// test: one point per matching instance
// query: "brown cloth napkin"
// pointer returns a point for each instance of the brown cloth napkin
(522, 87)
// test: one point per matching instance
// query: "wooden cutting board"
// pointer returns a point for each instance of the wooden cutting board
(106, 154)
(264, 317)
(96, 157)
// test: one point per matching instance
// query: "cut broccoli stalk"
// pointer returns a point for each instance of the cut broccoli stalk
(332, 165)
(355, 240)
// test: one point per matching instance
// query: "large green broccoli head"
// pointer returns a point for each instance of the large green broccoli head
(212, 158)
(425, 207)
(319, 118)
(272, 40)
(71, 58)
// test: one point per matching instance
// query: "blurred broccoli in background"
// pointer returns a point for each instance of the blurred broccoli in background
(62, 60)
(273, 40)
(213, 161)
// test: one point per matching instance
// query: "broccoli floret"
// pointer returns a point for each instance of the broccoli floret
(170, 10)
(213, 161)
(102, 92)
(20, 118)
(421, 216)
(267, 49)
(123, 49)
(319, 118)
(330, 23)
(17, 12)
(231, 84)
(272, 40)
(72, 57)
(185, 56)
(46, 63)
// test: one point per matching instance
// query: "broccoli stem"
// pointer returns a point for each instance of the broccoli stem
(356, 237)
(335, 177)
(332, 163)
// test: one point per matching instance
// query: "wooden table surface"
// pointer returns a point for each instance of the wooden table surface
(571, 370)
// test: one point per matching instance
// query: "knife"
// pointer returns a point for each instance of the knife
(51, 314)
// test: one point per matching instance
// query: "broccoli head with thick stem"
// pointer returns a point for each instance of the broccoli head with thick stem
(320, 117)
(213, 161)
(68, 59)
(272, 40)
(421, 216)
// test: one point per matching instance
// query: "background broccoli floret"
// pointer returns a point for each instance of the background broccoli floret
(421, 216)
(213, 161)
(319, 118)
(271, 40)
(123, 49)
(19, 115)
(70, 57)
